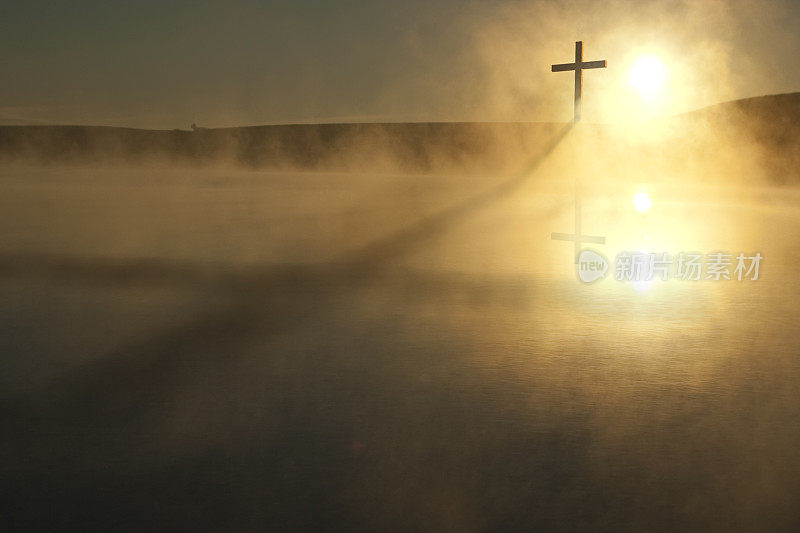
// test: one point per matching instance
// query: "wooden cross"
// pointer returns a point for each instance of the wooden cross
(578, 67)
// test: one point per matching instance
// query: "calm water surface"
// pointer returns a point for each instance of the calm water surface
(237, 350)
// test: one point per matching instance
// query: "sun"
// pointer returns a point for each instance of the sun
(642, 202)
(647, 75)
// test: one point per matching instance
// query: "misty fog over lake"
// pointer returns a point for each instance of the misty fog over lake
(384, 336)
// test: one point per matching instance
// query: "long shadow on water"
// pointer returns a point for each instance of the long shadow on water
(99, 405)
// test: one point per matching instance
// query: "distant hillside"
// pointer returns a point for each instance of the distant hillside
(766, 128)
(772, 121)
(416, 147)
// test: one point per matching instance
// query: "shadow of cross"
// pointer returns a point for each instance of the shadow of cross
(134, 379)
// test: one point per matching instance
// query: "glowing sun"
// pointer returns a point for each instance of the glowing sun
(647, 75)
(642, 202)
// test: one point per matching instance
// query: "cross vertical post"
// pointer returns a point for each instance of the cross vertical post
(578, 80)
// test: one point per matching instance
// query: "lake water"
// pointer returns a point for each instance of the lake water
(235, 350)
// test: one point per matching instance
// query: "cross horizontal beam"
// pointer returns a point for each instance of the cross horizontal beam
(563, 67)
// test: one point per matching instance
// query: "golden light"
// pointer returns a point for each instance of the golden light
(642, 286)
(647, 75)
(642, 202)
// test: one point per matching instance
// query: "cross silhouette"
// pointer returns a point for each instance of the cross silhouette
(578, 67)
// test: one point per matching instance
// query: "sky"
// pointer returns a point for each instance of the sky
(170, 63)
